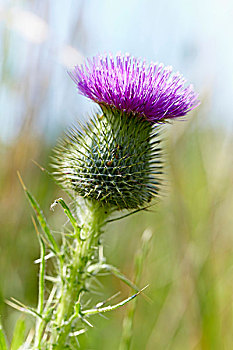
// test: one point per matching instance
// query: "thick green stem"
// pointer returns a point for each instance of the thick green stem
(74, 276)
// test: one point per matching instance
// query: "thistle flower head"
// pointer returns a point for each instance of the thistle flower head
(130, 85)
(116, 159)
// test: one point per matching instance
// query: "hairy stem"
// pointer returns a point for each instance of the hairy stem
(74, 275)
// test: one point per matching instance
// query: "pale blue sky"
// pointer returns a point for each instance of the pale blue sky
(194, 36)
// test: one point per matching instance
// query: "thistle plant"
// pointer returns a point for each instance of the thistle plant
(110, 164)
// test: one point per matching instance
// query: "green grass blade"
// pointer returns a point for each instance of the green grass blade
(40, 217)
(140, 257)
(18, 335)
(3, 343)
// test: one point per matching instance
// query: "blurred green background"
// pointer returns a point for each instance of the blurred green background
(189, 267)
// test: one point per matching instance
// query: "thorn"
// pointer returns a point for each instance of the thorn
(52, 279)
(36, 228)
(15, 306)
(141, 290)
(17, 302)
(87, 322)
(21, 181)
(37, 164)
(48, 256)
(75, 334)
(100, 304)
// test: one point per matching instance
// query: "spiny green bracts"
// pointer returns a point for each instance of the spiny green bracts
(115, 160)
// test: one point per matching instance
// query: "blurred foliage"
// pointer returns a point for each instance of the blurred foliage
(189, 265)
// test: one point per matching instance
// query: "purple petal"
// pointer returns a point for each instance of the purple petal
(130, 85)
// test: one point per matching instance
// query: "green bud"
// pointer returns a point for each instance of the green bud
(115, 159)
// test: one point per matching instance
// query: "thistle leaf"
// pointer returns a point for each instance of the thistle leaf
(40, 217)
(99, 310)
(22, 308)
